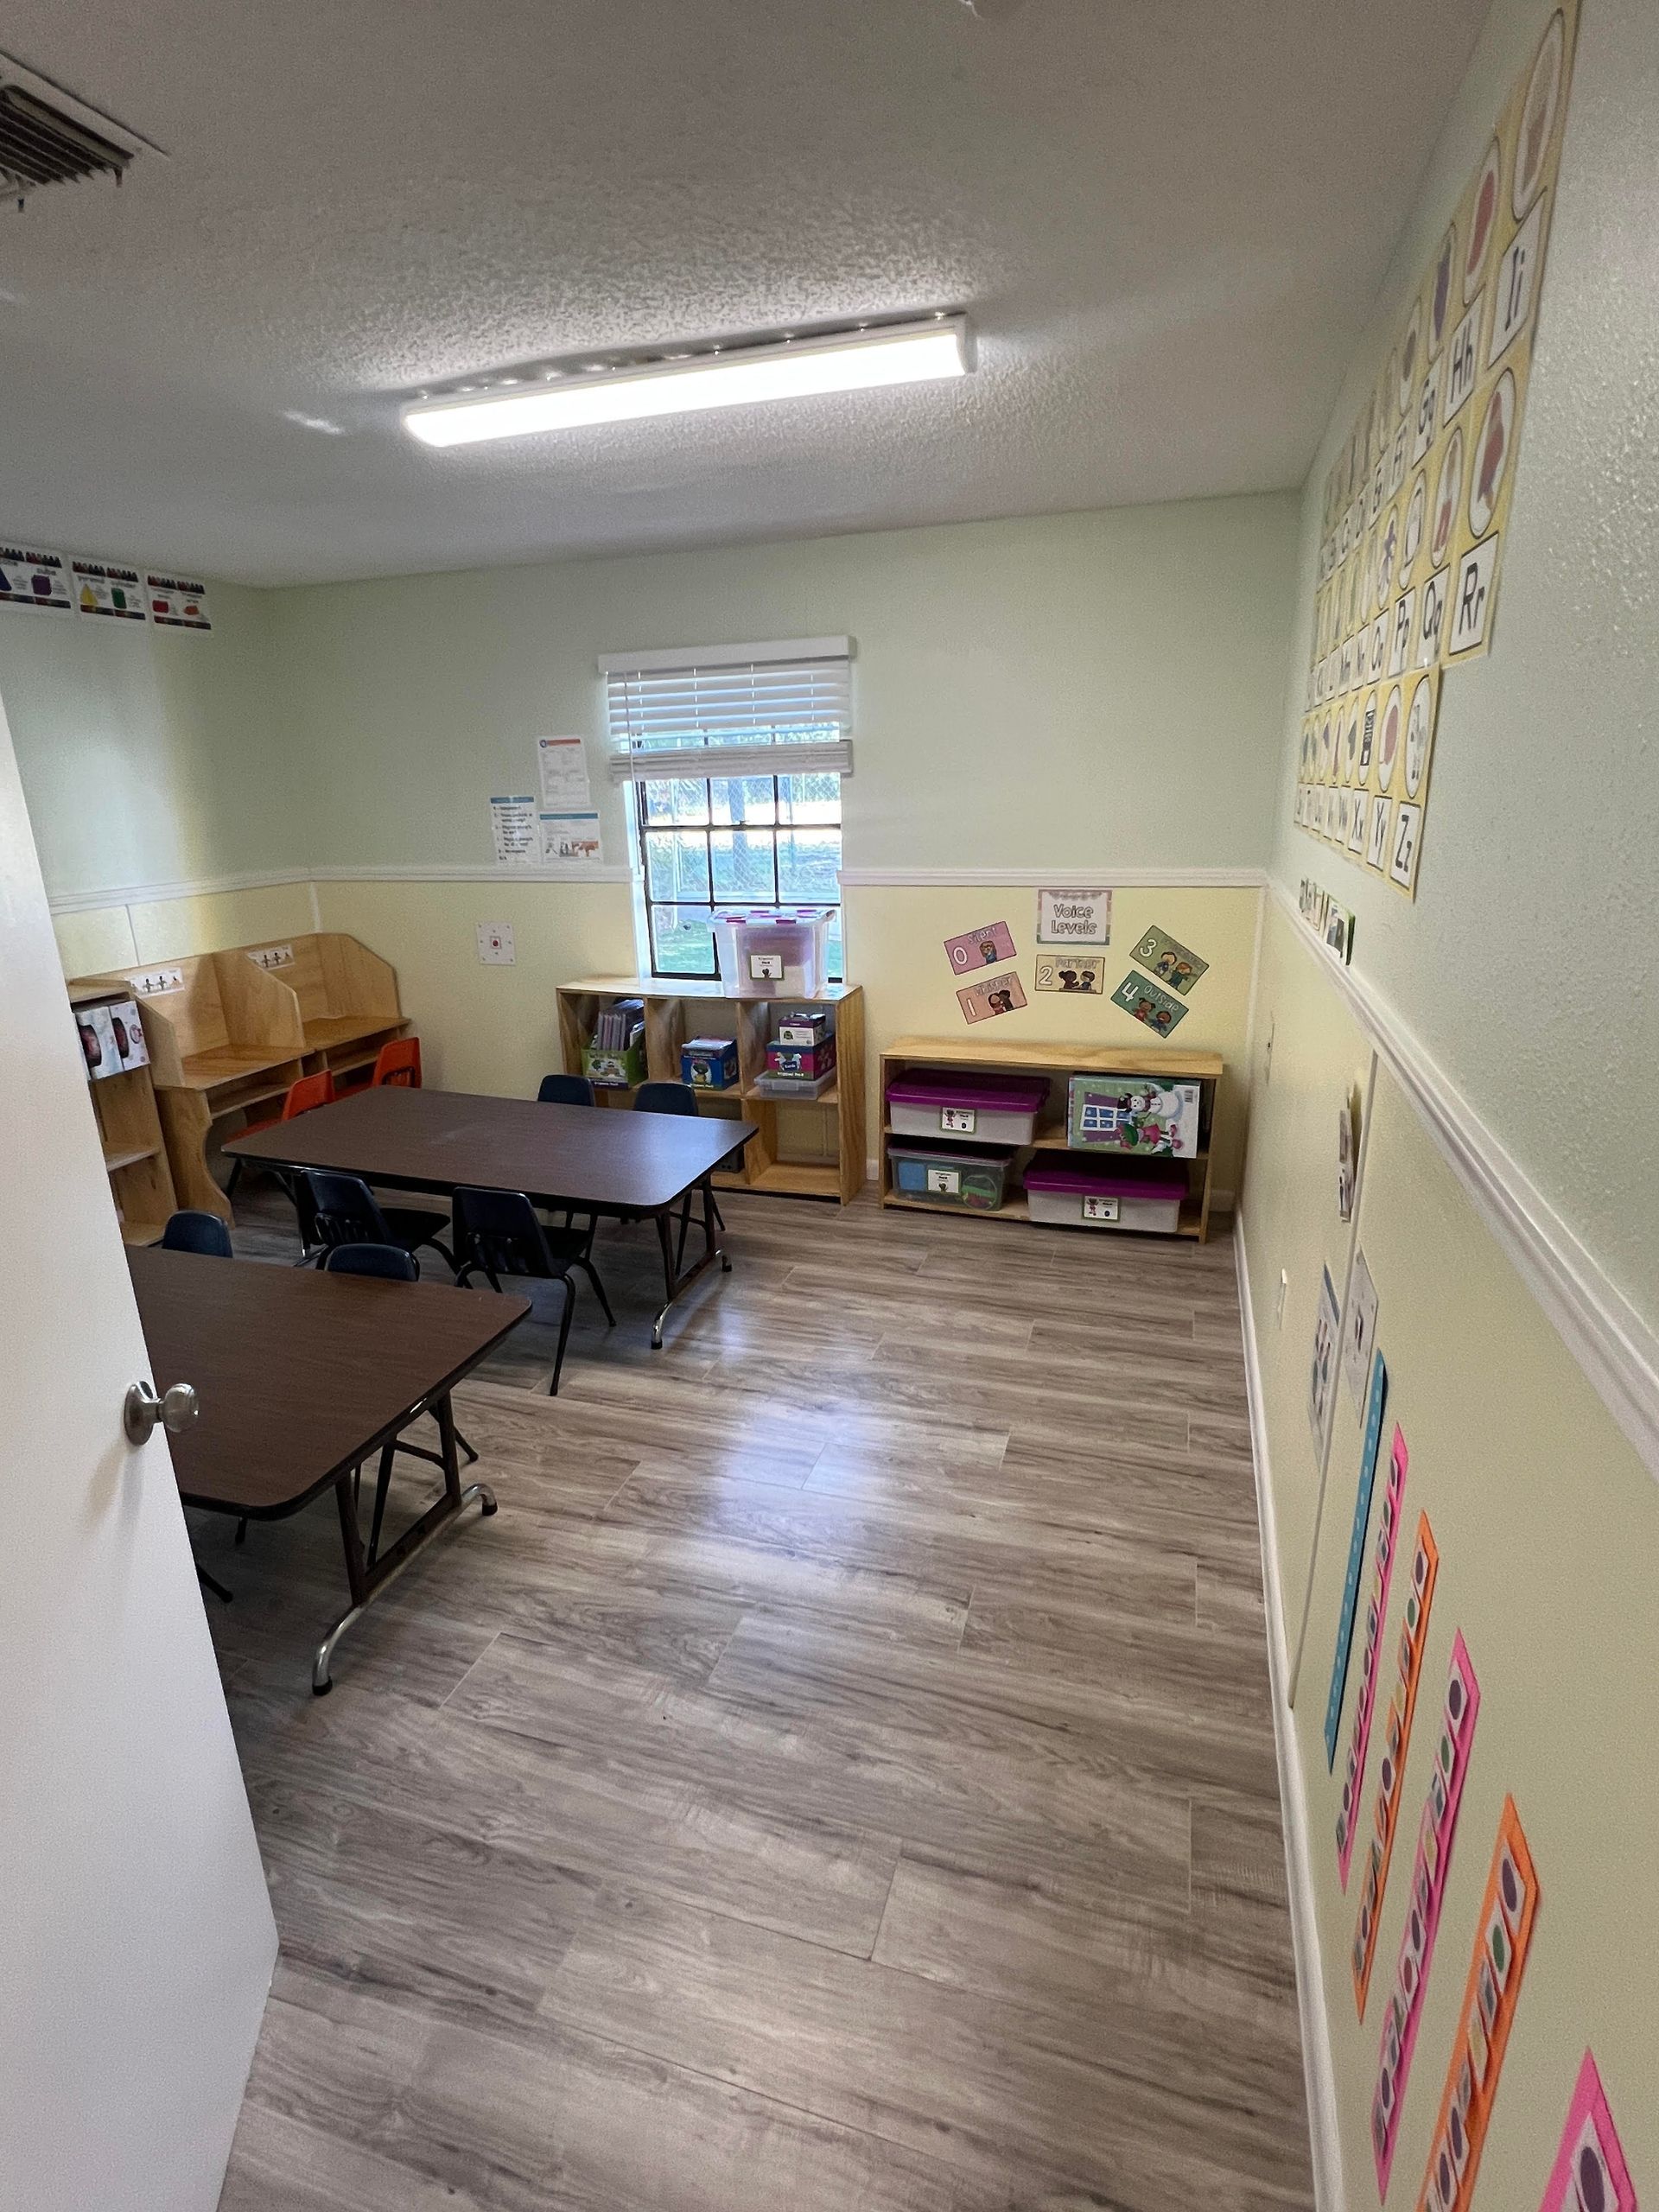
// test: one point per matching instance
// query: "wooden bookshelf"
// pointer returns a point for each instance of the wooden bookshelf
(805, 1147)
(1059, 1063)
(229, 1031)
(129, 1131)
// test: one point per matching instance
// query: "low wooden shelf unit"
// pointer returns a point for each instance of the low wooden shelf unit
(229, 1031)
(1059, 1063)
(675, 1011)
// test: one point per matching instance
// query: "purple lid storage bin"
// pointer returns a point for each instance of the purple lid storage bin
(1065, 1192)
(948, 1102)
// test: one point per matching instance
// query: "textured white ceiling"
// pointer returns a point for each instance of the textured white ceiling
(1167, 218)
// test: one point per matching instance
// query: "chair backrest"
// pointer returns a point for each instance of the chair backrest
(309, 1091)
(498, 1230)
(189, 1230)
(665, 1098)
(398, 1064)
(389, 1262)
(341, 1210)
(566, 1090)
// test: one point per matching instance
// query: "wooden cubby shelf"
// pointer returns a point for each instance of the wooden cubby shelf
(1058, 1064)
(229, 1031)
(779, 1159)
(129, 1131)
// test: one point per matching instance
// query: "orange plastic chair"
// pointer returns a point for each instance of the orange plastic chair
(311, 1091)
(398, 1064)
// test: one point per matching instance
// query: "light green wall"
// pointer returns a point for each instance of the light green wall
(151, 756)
(1077, 688)
(1528, 965)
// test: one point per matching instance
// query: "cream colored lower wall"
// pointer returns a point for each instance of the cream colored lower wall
(496, 1028)
(895, 940)
(486, 1029)
(100, 937)
(1547, 1526)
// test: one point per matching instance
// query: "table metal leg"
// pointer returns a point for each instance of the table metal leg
(674, 1282)
(368, 1579)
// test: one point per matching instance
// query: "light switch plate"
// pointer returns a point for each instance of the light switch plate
(495, 944)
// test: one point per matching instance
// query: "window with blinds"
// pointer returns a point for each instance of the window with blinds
(735, 755)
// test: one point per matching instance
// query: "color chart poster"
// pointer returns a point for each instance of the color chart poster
(1417, 506)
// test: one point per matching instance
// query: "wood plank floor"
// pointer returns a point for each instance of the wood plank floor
(840, 1775)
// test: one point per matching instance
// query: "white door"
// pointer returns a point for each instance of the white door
(136, 1942)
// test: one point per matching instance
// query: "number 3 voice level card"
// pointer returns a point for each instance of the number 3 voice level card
(1147, 1003)
(1170, 962)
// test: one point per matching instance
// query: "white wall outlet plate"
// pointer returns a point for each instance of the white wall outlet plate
(495, 944)
(1279, 1302)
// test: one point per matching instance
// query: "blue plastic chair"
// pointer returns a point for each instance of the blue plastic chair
(566, 1090)
(680, 1098)
(388, 1262)
(342, 1210)
(499, 1233)
(189, 1230)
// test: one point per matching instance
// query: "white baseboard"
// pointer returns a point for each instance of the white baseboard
(1330, 2194)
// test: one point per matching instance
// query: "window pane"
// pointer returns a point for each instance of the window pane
(744, 799)
(683, 800)
(810, 799)
(808, 864)
(682, 942)
(676, 865)
(742, 861)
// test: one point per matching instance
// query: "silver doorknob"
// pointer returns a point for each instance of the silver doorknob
(141, 1409)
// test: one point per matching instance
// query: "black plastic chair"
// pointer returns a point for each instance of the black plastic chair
(189, 1230)
(680, 1098)
(566, 1090)
(337, 1210)
(385, 1263)
(498, 1233)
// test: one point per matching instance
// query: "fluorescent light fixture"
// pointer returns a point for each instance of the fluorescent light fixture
(858, 361)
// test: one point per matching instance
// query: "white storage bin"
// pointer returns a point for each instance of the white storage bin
(1079, 1194)
(960, 1103)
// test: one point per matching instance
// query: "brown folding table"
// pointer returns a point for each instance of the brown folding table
(299, 1378)
(591, 1160)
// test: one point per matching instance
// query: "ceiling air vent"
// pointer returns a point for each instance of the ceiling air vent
(47, 135)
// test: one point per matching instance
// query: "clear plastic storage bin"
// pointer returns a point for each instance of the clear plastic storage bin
(943, 1175)
(777, 952)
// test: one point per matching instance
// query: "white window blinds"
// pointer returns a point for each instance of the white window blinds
(733, 706)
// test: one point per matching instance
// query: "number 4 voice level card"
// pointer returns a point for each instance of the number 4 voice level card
(1170, 962)
(1148, 1004)
(1502, 1936)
